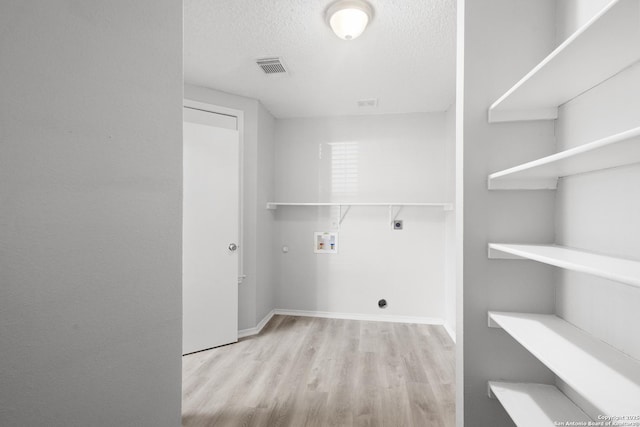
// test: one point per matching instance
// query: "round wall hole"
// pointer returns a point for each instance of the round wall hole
(382, 303)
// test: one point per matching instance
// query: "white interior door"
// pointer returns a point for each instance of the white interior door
(210, 230)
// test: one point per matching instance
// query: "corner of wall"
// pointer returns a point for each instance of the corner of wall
(450, 223)
(265, 293)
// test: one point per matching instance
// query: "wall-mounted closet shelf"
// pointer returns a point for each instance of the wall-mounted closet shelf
(346, 206)
(542, 174)
(535, 405)
(605, 377)
(445, 206)
(601, 48)
(605, 380)
(617, 269)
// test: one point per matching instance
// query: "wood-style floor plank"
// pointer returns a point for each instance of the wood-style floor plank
(315, 372)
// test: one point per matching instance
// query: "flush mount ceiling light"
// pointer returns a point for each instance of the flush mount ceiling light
(349, 18)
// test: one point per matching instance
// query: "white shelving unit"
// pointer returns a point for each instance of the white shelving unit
(445, 206)
(605, 45)
(618, 269)
(605, 377)
(604, 380)
(343, 213)
(535, 405)
(542, 174)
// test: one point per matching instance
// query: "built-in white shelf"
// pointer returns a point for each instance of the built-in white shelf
(445, 206)
(604, 376)
(542, 174)
(618, 269)
(536, 405)
(393, 213)
(605, 45)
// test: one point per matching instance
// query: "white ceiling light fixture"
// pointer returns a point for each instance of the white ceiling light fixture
(349, 18)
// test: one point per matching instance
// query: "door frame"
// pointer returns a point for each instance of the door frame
(239, 115)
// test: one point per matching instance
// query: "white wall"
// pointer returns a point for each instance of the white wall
(599, 211)
(502, 40)
(368, 159)
(90, 213)
(254, 294)
(572, 14)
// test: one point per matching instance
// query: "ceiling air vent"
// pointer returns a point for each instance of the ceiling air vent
(271, 65)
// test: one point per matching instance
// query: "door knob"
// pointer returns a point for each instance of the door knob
(233, 247)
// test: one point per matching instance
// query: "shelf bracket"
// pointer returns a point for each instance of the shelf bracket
(490, 392)
(494, 253)
(522, 184)
(492, 323)
(343, 215)
(497, 116)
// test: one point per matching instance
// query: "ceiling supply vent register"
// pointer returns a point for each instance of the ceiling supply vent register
(271, 65)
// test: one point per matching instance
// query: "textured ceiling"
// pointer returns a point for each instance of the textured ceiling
(405, 58)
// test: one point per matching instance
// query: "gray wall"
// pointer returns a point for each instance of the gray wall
(255, 294)
(599, 211)
(90, 213)
(502, 40)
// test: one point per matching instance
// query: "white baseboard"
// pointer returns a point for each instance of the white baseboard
(370, 317)
(451, 332)
(255, 331)
(242, 333)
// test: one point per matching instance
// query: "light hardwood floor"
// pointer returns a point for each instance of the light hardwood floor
(305, 371)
